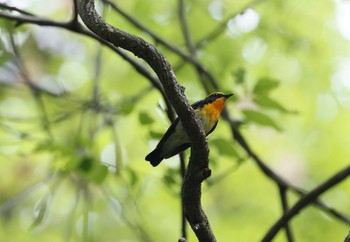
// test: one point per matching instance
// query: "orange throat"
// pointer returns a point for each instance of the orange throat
(213, 110)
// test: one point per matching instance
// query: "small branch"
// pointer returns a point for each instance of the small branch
(305, 201)
(142, 27)
(132, 223)
(77, 28)
(284, 201)
(169, 46)
(185, 30)
(271, 174)
(36, 91)
(21, 19)
(211, 36)
(154, 58)
(204, 76)
(183, 216)
(4, 6)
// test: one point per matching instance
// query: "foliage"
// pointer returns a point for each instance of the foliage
(76, 121)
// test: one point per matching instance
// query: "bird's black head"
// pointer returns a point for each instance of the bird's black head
(211, 98)
(215, 95)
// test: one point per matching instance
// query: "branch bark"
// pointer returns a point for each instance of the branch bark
(198, 165)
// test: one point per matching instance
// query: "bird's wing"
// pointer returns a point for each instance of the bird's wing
(170, 130)
(197, 104)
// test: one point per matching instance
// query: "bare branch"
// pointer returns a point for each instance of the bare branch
(272, 175)
(223, 25)
(305, 201)
(4, 6)
(284, 201)
(169, 46)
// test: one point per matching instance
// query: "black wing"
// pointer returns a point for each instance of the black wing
(170, 130)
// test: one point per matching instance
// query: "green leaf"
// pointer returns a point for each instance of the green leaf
(127, 107)
(171, 178)
(260, 118)
(155, 135)
(40, 210)
(97, 173)
(85, 164)
(264, 101)
(224, 147)
(265, 85)
(4, 56)
(145, 118)
(100, 173)
(132, 177)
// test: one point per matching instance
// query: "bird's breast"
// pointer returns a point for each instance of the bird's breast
(208, 120)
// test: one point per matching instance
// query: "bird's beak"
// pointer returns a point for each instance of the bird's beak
(227, 95)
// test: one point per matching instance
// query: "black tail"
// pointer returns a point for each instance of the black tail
(155, 157)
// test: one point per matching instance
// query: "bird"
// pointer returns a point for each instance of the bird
(175, 139)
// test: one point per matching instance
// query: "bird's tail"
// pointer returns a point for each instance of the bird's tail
(155, 157)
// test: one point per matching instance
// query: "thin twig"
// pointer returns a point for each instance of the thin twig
(284, 201)
(219, 29)
(243, 143)
(77, 28)
(36, 92)
(131, 223)
(183, 216)
(163, 42)
(11, 8)
(271, 174)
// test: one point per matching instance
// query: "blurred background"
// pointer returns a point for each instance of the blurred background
(77, 120)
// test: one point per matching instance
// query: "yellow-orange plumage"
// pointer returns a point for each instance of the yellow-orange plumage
(213, 110)
(175, 139)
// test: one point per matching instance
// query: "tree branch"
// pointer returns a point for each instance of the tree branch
(75, 26)
(284, 201)
(169, 46)
(198, 166)
(304, 201)
(211, 36)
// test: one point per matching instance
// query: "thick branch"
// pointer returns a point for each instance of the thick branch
(198, 165)
(153, 57)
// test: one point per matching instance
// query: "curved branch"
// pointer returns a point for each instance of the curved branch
(198, 166)
(305, 201)
(152, 56)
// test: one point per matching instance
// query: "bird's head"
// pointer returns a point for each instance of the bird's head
(216, 96)
(213, 104)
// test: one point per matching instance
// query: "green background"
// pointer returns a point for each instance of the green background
(72, 164)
